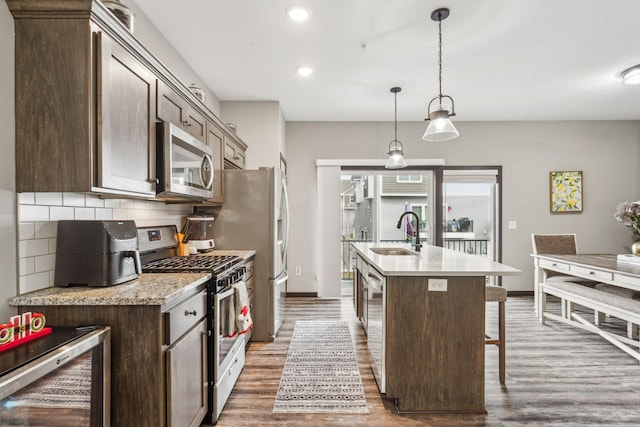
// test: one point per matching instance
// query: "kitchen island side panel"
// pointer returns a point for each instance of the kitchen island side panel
(137, 367)
(435, 344)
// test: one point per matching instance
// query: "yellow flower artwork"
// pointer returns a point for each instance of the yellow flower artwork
(565, 191)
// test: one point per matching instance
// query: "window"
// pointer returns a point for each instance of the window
(422, 211)
(409, 179)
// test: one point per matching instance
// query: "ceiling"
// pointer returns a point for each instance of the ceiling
(502, 59)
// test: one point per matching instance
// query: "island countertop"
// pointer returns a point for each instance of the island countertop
(163, 289)
(431, 261)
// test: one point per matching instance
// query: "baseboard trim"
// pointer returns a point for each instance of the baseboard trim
(302, 294)
(520, 293)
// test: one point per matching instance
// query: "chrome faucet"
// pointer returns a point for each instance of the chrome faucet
(418, 244)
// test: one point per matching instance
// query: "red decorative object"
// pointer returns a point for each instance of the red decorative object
(21, 329)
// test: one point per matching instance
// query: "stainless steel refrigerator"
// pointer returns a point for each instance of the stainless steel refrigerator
(255, 215)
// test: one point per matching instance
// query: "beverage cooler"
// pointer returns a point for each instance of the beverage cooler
(61, 379)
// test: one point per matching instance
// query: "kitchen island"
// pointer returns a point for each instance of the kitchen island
(424, 315)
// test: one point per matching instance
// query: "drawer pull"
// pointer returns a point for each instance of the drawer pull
(592, 273)
(235, 362)
(190, 313)
(554, 265)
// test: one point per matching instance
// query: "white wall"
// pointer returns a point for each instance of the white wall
(328, 219)
(160, 47)
(8, 283)
(608, 153)
(259, 125)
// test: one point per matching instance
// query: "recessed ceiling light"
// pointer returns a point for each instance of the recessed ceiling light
(298, 13)
(631, 76)
(304, 71)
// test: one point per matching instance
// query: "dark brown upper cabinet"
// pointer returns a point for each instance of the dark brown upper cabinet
(88, 96)
(172, 107)
(85, 105)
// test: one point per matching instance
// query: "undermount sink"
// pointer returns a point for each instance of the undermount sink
(393, 251)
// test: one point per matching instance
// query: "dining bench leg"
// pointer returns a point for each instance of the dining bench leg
(501, 337)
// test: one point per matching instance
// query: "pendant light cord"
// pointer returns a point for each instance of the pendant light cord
(440, 57)
(395, 118)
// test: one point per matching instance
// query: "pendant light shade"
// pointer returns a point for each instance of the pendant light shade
(440, 126)
(396, 153)
(439, 113)
(631, 76)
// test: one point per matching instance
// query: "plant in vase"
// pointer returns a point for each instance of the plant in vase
(628, 213)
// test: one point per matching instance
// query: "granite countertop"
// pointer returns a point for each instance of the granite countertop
(164, 289)
(431, 261)
(244, 254)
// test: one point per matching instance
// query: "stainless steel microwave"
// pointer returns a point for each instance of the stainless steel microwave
(184, 165)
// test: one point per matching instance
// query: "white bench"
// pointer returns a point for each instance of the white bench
(601, 301)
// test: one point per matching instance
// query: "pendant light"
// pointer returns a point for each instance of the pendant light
(631, 76)
(440, 127)
(396, 154)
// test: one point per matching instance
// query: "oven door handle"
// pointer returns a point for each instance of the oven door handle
(227, 293)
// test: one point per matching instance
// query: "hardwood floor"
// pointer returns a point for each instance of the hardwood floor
(556, 375)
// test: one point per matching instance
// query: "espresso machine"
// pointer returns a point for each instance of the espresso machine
(198, 232)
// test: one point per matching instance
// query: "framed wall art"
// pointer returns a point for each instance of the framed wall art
(566, 191)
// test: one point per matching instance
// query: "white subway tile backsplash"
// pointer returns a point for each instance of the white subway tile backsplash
(45, 263)
(127, 204)
(33, 213)
(58, 213)
(26, 198)
(49, 199)
(26, 266)
(112, 203)
(137, 214)
(35, 282)
(38, 214)
(85, 214)
(94, 201)
(26, 231)
(27, 248)
(104, 214)
(120, 214)
(73, 199)
(46, 230)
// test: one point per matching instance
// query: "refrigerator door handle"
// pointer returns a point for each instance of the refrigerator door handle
(285, 195)
(284, 278)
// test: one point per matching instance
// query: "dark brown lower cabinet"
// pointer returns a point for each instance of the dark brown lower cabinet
(158, 358)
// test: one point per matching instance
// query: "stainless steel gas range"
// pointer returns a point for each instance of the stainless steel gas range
(158, 253)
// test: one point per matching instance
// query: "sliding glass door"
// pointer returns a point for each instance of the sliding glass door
(467, 218)
(372, 202)
(471, 211)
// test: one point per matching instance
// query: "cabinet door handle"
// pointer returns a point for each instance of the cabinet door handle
(190, 313)
(186, 124)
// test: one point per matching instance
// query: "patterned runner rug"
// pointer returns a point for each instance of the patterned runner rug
(321, 372)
